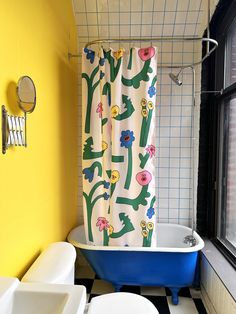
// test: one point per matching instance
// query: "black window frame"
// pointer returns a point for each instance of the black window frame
(213, 79)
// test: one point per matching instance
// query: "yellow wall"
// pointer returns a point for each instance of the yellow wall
(38, 184)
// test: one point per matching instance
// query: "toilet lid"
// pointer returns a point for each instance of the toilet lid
(121, 303)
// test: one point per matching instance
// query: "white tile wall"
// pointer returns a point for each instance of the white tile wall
(175, 124)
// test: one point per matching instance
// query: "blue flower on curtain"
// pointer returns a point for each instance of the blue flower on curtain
(152, 91)
(150, 212)
(88, 174)
(106, 185)
(127, 138)
(106, 196)
(90, 54)
(102, 74)
(101, 61)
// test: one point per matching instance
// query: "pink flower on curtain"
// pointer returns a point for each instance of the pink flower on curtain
(102, 223)
(146, 53)
(151, 150)
(144, 177)
(99, 109)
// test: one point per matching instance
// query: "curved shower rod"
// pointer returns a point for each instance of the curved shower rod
(151, 39)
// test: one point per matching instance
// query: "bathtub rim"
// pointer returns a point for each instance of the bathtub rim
(71, 238)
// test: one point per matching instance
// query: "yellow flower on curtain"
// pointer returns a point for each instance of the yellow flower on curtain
(143, 224)
(144, 112)
(150, 105)
(104, 145)
(119, 53)
(115, 110)
(110, 230)
(143, 102)
(150, 225)
(115, 176)
(144, 233)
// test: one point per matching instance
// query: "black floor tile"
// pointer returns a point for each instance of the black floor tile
(183, 292)
(92, 296)
(160, 303)
(200, 306)
(131, 289)
(88, 283)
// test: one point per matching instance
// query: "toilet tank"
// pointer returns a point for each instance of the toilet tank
(54, 265)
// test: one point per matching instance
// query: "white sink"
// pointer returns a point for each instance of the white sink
(38, 298)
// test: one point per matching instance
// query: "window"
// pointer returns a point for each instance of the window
(226, 226)
(230, 56)
(221, 197)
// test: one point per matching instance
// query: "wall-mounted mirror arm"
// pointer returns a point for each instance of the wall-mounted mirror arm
(14, 127)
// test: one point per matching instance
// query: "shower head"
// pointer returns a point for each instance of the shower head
(175, 78)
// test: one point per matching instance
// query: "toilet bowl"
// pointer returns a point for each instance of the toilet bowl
(56, 265)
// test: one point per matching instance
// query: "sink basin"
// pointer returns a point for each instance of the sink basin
(38, 298)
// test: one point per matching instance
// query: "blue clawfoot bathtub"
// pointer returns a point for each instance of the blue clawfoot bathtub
(171, 264)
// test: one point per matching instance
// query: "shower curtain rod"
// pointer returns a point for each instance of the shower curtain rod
(151, 39)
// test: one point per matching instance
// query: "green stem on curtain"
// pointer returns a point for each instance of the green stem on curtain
(149, 239)
(114, 70)
(113, 186)
(96, 199)
(130, 59)
(88, 150)
(96, 185)
(145, 129)
(129, 169)
(153, 201)
(107, 91)
(139, 200)
(154, 80)
(90, 92)
(89, 216)
(143, 159)
(129, 109)
(117, 158)
(141, 76)
(105, 237)
(127, 226)
(145, 241)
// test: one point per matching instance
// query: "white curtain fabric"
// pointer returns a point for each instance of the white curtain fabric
(118, 100)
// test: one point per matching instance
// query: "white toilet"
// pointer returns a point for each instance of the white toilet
(56, 265)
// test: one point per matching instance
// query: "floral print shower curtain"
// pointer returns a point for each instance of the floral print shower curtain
(118, 101)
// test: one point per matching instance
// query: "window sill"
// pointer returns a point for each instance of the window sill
(221, 266)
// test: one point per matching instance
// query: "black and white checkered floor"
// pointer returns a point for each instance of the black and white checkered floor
(189, 299)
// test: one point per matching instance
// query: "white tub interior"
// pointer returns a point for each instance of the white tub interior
(170, 239)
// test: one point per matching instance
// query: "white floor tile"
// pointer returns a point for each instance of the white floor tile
(195, 293)
(158, 291)
(185, 306)
(101, 287)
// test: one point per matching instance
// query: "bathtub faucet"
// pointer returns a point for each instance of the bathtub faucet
(190, 240)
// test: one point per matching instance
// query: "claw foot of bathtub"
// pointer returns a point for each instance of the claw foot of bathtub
(174, 297)
(117, 287)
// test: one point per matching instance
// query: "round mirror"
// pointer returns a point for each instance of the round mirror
(26, 93)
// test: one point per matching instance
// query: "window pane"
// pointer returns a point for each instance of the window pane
(228, 181)
(230, 232)
(230, 56)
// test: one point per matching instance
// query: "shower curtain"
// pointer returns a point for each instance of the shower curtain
(118, 146)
